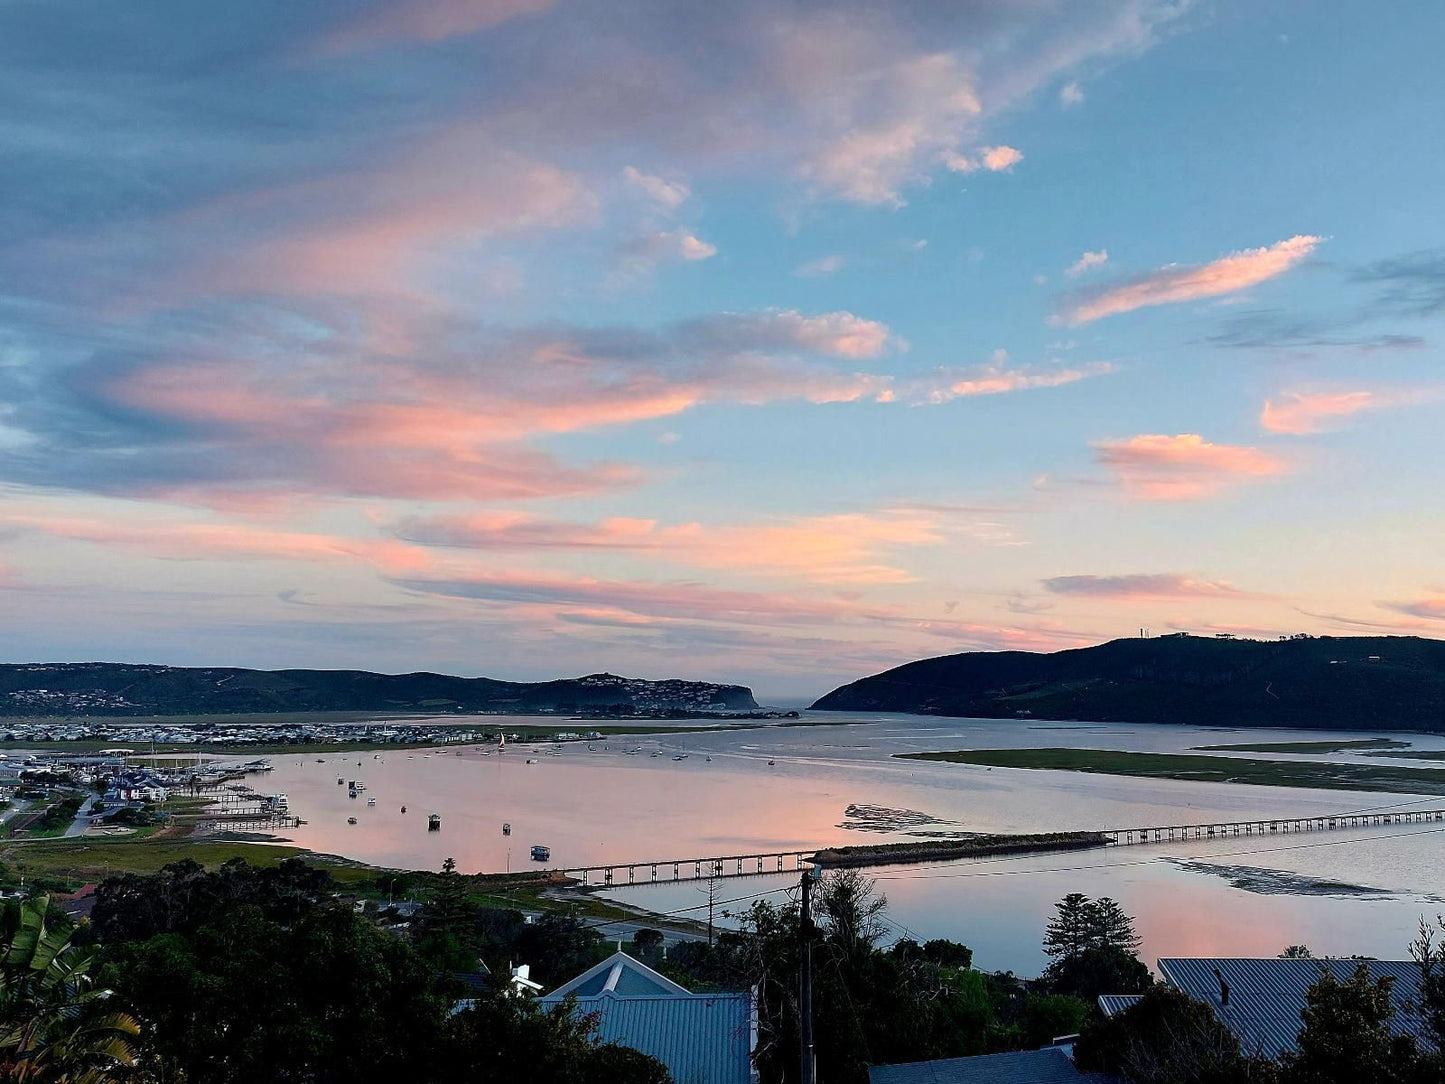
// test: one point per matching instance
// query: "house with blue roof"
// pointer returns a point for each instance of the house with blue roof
(701, 1038)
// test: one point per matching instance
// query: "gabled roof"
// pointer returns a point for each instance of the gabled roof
(1051, 1065)
(701, 1038)
(621, 975)
(1113, 1004)
(1266, 996)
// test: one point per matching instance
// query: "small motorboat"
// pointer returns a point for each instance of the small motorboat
(434, 823)
(350, 820)
(320, 760)
(371, 801)
(531, 760)
(506, 829)
(680, 756)
(771, 763)
(541, 853)
(403, 809)
(339, 781)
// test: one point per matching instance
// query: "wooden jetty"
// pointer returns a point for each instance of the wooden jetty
(755, 865)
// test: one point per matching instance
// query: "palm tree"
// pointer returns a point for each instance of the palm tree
(53, 1029)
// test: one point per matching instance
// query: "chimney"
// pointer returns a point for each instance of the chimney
(1223, 988)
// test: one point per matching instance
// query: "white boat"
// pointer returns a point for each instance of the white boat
(680, 756)
(371, 801)
(531, 760)
(360, 785)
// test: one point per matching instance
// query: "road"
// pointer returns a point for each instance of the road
(82, 817)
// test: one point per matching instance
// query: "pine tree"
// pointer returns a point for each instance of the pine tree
(1111, 928)
(1069, 932)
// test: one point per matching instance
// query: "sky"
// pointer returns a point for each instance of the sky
(766, 341)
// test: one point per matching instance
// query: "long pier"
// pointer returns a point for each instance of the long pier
(754, 865)
(1126, 837)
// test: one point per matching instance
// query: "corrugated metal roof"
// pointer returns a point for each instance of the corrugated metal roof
(1112, 1004)
(1051, 1065)
(701, 1038)
(1266, 996)
(621, 974)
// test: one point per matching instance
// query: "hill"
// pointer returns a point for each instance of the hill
(1324, 682)
(99, 688)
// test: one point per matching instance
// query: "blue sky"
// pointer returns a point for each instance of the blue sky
(767, 342)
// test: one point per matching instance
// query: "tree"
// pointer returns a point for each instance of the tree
(1297, 952)
(1346, 1035)
(1430, 956)
(1110, 928)
(1167, 1038)
(1094, 947)
(647, 943)
(53, 1023)
(1069, 931)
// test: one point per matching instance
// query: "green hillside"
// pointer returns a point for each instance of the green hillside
(97, 688)
(1324, 682)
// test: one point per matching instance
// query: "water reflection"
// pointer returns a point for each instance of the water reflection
(789, 788)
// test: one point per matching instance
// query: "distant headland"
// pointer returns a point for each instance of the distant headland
(1315, 682)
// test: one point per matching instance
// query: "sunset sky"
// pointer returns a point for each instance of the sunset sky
(774, 342)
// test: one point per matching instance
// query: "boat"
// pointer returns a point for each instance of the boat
(351, 794)
(657, 752)
(708, 759)
(339, 780)
(320, 760)
(359, 785)
(507, 829)
(680, 756)
(771, 763)
(531, 760)
(403, 809)
(350, 820)
(371, 801)
(434, 823)
(541, 853)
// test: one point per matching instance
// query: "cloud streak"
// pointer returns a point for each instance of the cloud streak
(1157, 467)
(1161, 585)
(1173, 284)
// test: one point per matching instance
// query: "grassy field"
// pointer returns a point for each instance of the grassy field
(1305, 747)
(1418, 754)
(1268, 773)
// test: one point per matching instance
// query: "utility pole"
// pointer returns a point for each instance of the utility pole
(808, 1074)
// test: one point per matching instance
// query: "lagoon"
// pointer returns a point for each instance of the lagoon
(779, 788)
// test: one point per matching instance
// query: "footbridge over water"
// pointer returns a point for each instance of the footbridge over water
(673, 870)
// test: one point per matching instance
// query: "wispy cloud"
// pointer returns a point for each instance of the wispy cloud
(1157, 467)
(1070, 94)
(998, 159)
(1431, 607)
(1176, 283)
(666, 194)
(845, 548)
(1087, 261)
(1301, 412)
(823, 265)
(1145, 586)
(406, 21)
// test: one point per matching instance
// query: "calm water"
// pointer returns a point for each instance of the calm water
(600, 804)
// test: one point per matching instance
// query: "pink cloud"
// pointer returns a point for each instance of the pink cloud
(1174, 283)
(229, 542)
(834, 549)
(1183, 467)
(393, 21)
(1301, 413)
(1143, 586)
(1431, 607)
(996, 379)
(998, 159)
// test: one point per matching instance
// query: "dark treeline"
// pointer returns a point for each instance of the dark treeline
(191, 976)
